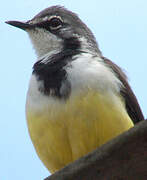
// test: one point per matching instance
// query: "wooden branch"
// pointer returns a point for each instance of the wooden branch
(123, 158)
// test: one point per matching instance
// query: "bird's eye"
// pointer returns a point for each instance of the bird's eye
(55, 23)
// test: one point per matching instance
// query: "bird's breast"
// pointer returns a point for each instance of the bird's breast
(64, 131)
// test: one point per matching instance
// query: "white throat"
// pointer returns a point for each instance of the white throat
(44, 42)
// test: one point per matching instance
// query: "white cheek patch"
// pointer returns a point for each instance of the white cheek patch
(44, 42)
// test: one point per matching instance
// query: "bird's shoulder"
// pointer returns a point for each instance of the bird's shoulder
(131, 102)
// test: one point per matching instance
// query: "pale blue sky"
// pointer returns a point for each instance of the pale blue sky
(120, 28)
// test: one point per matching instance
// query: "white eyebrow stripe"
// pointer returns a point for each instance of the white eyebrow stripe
(46, 18)
(49, 18)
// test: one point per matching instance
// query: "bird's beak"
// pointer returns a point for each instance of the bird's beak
(21, 25)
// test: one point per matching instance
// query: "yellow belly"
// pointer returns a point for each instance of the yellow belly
(63, 133)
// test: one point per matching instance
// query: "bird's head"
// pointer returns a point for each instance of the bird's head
(55, 29)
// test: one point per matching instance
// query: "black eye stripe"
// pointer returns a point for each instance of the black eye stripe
(52, 24)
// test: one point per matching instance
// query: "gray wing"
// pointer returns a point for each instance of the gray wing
(131, 102)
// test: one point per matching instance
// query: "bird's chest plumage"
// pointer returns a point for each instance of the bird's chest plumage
(63, 132)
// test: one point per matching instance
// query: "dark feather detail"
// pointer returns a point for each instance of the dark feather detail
(53, 74)
(131, 102)
(72, 43)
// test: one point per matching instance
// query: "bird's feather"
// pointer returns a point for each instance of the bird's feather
(131, 102)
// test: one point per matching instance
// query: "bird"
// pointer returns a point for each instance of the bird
(77, 99)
